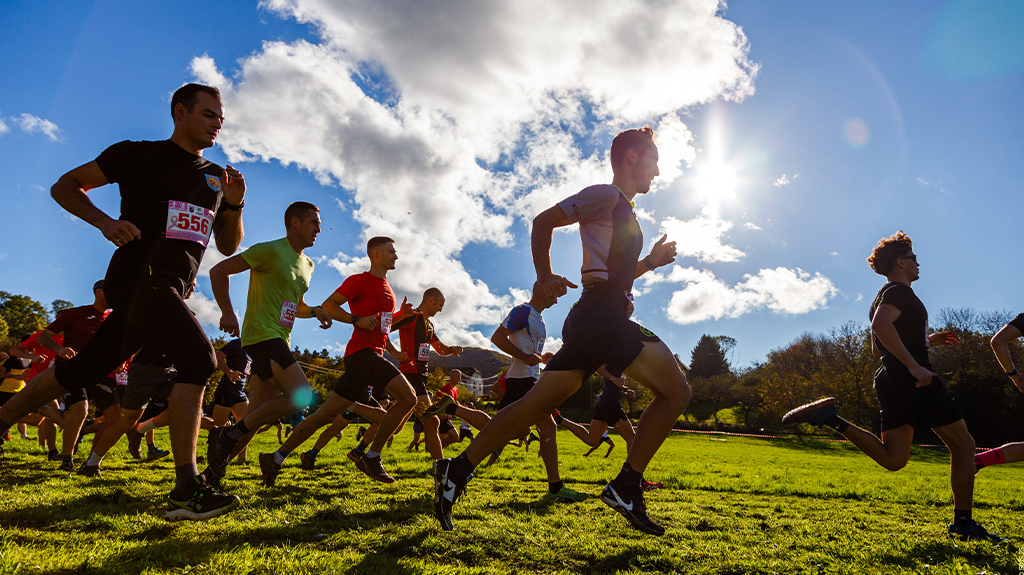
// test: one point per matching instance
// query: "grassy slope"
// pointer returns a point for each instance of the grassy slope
(731, 505)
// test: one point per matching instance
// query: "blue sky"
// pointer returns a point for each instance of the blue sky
(793, 136)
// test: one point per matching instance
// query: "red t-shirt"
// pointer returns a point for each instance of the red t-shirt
(449, 391)
(416, 334)
(78, 324)
(368, 295)
(31, 345)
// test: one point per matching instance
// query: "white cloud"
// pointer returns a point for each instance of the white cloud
(928, 184)
(781, 290)
(701, 237)
(447, 121)
(782, 181)
(552, 344)
(206, 309)
(3, 127)
(32, 124)
(751, 226)
(211, 258)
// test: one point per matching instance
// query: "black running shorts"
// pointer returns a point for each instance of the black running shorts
(5, 396)
(515, 389)
(266, 352)
(598, 332)
(105, 394)
(156, 406)
(444, 427)
(229, 395)
(609, 413)
(920, 407)
(418, 383)
(146, 311)
(146, 381)
(364, 368)
(417, 426)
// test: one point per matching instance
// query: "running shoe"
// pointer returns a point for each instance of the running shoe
(134, 443)
(813, 413)
(354, 456)
(308, 461)
(439, 407)
(67, 465)
(630, 504)
(269, 468)
(53, 455)
(155, 453)
(360, 433)
(568, 495)
(197, 502)
(652, 485)
(372, 467)
(974, 531)
(212, 479)
(89, 470)
(218, 449)
(446, 492)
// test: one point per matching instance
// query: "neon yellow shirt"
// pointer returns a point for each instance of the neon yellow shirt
(279, 278)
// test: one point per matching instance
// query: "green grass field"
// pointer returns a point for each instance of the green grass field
(730, 505)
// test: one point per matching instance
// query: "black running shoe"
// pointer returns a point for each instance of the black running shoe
(630, 504)
(269, 468)
(67, 465)
(197, 502)
(212, 479)
(218, 448)
(155, 453)
(372, 467)
(360, 433)
(308, 461)
(53, 455)
(446, 492)
(814, 413)
(89, 470)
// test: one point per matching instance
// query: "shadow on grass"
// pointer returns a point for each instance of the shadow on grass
(948, 552)
(816, 445)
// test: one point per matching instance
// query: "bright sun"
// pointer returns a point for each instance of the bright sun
(715, 177)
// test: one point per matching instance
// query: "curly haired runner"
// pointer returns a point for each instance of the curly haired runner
(910, 394)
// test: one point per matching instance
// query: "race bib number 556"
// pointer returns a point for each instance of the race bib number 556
(186, 221)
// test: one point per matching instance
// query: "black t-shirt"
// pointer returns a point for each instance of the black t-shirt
(610, 394)
(237, 359)
(1018, 322)
(912, 327)
(172, 196)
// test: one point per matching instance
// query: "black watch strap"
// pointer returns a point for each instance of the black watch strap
(229, 206)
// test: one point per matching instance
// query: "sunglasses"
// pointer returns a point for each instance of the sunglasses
(911, 257)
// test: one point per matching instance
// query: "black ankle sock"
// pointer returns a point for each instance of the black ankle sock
(558, 418)
(555, 486)
(628, 476)
(238, 430)
(152, 446)
(606, 439)
(462, 469)
(451, 409)
(961, 518)
(837, 423)
(184, 474)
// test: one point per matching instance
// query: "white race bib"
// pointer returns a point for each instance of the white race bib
(189, 222)
(248, 366)
(423, 354)
(288, 310)
(538, 345)
(385, 322)
(121, 378)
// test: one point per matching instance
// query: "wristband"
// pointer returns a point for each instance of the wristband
(647, 262)
(355, 318)
(313, 311)
(1012, 373)
(229, 206)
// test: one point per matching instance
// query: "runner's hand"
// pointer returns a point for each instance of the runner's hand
(323, 317)
(943, 338)
(233, 185)
(631, 394)
(553, 285)
(402, 357)
(120, 232)
(368, 322)
(38, 358)
(66, 353)
(1018, 380)
(532, 359)
(619, 381)
(456, 350)
(229, 323)
(546, 357)
(923, 376)
(233, 376)
(663, 253)
(404, 310)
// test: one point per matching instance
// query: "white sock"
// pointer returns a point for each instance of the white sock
(279, 458)
(373, 454)
(94, 459)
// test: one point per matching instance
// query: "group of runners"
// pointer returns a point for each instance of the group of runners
(149, 349)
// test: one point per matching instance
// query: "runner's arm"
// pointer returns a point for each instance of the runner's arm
(662, 254)
(227, 226)
(22, 353)
(883, 328)
(71, 192)
(540, 245)
(45, 339)
(222, 365)
(1001, 347)
(315, 312)
(220, 281)
(332, 305)
(501, 340)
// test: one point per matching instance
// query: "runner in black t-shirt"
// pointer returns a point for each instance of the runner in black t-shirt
(597, 331)
(1010, 452)
(910, 394)
(172, 200)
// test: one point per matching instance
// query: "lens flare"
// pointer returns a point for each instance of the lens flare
(856, 132)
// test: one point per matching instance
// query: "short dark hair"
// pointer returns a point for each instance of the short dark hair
(883, 257)
(638, 139)
(432, 293)
(298, 210)
(188, 95)
(376, 242)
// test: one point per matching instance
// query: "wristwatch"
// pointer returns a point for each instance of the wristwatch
(355, 318)
(229, 206)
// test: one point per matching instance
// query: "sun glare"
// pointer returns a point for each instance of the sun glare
(715, 179)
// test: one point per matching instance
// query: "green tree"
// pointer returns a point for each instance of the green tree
(59, 305)
(708, 359)
(23, 315)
